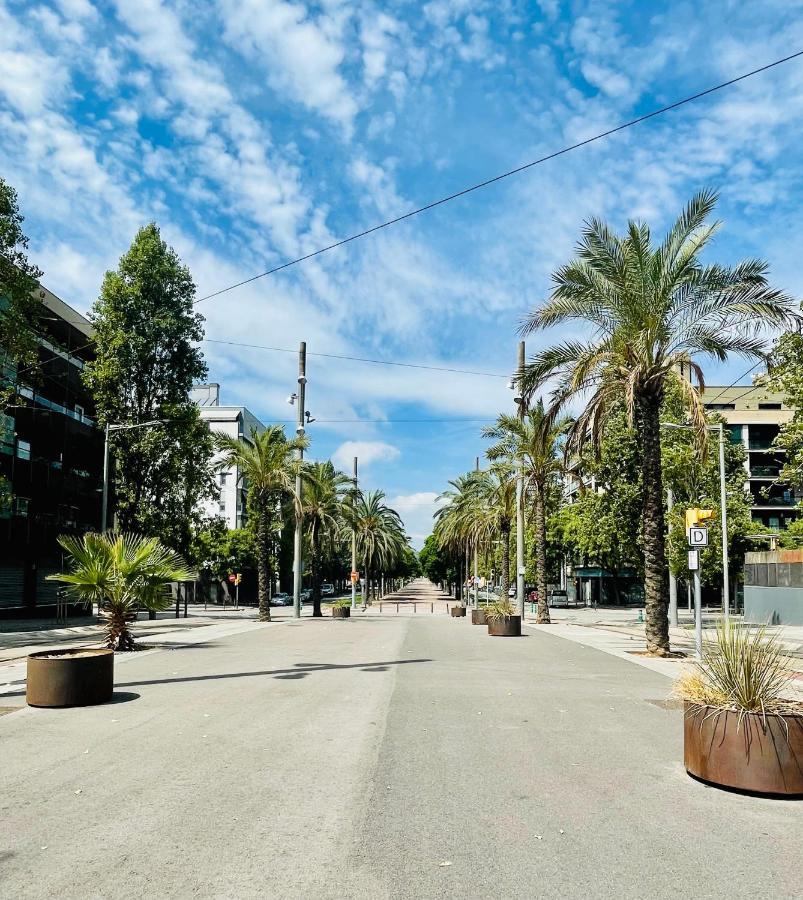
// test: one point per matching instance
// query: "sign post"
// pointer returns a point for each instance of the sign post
(698, 537)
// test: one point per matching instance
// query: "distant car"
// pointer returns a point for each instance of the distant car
(511, 592)
(281, 599)
(327, 589)
(306, 595)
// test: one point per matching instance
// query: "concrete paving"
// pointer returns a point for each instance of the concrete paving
(384, 757)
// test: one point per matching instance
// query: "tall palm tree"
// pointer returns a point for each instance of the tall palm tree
(456, 520)
(268, 469)
(121, 573)
(379, 531)
(322, 514)
(651, 310)
(534, 442)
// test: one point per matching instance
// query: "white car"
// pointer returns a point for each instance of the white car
(281, 599)
(327, 589)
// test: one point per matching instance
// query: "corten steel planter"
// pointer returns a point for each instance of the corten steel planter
(478, 617)
(458, 611)
(761, 757)
(510, 626)
(341, 612)
(81, 676)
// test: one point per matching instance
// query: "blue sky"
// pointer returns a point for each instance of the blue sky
(253, 131)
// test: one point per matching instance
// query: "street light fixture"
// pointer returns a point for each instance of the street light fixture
(109, 429)
(723, 505)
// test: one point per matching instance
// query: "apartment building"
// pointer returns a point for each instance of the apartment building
(754, 416)
(237, 422)
(51, 459)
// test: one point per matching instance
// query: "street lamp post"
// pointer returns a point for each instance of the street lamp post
(354, 546)
(520, 490)
(104, 515)
(723, 500)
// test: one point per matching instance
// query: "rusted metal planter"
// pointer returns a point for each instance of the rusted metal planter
(341, 612)
(761, 757)
(510, 626)
(478, 617)
(458, 611)
(80, 676)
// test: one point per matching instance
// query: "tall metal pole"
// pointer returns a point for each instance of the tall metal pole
(354, 547)
(476, 572)
(698, 615)
(723, 499)
(673, 582)
(520, 494)
(297, 543)
(104, 515)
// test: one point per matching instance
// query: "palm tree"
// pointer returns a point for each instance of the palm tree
(652, 310)
(268, 469)
(321, 512)
(533, 441)
(379, 532)
(456, 520)
(121, 573)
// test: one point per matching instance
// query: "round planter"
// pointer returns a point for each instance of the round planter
(458, 611)
(761, 757)
(508, 627)
(478, 617)
(74, 677)
(341, 612)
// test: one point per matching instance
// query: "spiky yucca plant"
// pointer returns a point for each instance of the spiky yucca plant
(121, 573)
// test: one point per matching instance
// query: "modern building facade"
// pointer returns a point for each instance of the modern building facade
(754, 416)
(237, 422)
(51, 461)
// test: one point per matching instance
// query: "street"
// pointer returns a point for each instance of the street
(407, 756)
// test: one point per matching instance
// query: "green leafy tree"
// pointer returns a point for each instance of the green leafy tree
(121, 573)
(268, 467)
(20, 294)
(323, 495)
(533, 440)
(218, 551)
(652, 310)
(786, 377)
(436, 563)
(146, 361)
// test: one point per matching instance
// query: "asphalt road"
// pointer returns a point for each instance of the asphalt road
(398, 757)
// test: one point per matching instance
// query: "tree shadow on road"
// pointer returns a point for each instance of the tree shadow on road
(300, 670)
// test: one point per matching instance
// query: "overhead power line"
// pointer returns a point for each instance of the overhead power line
(489, 181)
(377, 362)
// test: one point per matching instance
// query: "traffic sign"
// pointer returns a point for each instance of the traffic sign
(233, 578)
(694, 560)
(355, 577)
(698, 537)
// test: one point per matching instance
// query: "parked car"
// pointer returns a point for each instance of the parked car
(281, 599)
(306, 595)
(327, 589)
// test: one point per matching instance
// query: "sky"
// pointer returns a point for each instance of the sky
(255, 131)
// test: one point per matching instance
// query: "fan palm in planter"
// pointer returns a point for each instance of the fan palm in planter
(502, 619)
(122, 573)
(652, 310)
(740, 729)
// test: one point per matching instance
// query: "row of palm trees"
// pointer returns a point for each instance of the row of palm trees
(642, 316)
(329, 507)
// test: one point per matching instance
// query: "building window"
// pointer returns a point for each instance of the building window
(23, 449)
(224, 477)
(79, 412)
(769, 405)
(222, 506)
(720, 405)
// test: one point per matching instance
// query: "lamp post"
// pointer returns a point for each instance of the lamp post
(104, 515)
(723, 501)
(354, 547)
(302, 420)
(522, 410)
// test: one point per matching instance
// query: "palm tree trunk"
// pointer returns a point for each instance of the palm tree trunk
(263, 569)
(316, 575)
(656, 588)
(540, 556)
(505, 535)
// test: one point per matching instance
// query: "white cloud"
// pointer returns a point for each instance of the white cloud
(367, 453)
(416, 511)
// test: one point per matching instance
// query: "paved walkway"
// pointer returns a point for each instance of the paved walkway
(383, 757)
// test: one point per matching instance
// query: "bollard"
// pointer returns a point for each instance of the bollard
(397, 606)
(415, 607)
(380, 607)
(432, 607)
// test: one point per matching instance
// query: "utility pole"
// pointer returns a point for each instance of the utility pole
(723, 502)
(476, 573)
(104, 516)
(520, 493)
(673, 582)
(354, 546)
(297, 543)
